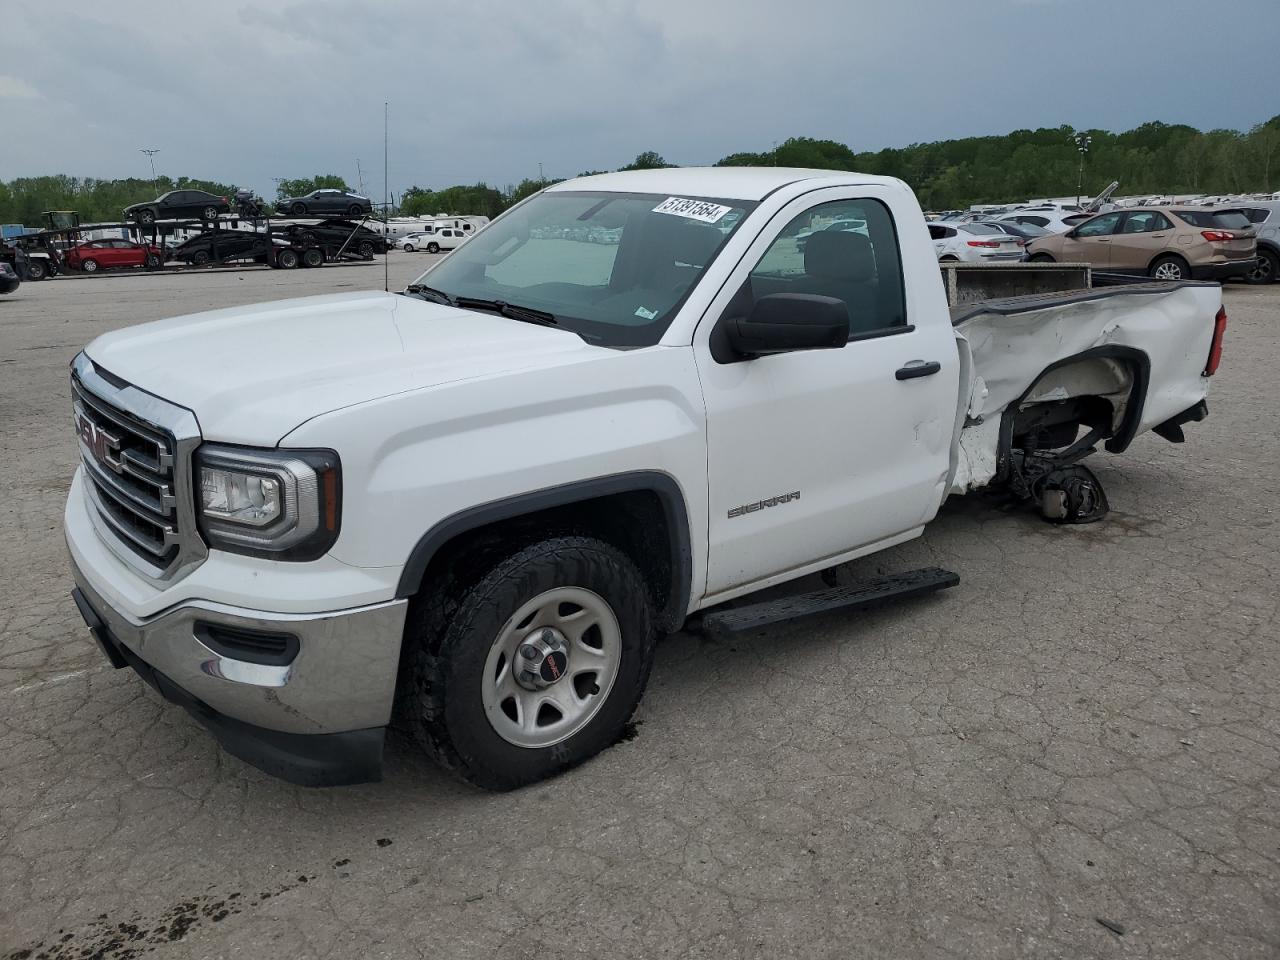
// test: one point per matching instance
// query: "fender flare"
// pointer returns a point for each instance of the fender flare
(663, 485)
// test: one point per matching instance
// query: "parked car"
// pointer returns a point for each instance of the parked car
(326, 203)
(1264, 217)
(179, 205)
(334, 235)
(492, 494)
(109, 254)
(219, 246)
(973, 243)
(446, 238)
(1168, 243)
(9, 281)
(1024, 231)
(1049, 220)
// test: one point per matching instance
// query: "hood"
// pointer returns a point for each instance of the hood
(253, 373)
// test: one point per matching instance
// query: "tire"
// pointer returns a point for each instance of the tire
(287, 259)
(1170, 268)
(355, 210)
(36, 270)
(1267, 270)
(201, 258)
(89, 266)
(153, 262)
(409, 248)
(146, 216)
(209, 214)
(461, 639)
(1042, 258)
(365, 249)
(298, 209)
(433, 247)
(312, 257)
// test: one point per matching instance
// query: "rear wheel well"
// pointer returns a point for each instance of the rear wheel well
(1169, 256)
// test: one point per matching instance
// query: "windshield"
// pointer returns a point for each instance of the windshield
(611, 267)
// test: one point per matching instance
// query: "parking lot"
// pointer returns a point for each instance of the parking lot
(1075, 753)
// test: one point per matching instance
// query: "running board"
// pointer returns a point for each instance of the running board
(856, 596)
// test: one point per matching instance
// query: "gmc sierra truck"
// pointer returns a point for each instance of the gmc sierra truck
(628, 401)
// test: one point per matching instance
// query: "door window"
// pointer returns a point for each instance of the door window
(1102, 226)
(847, 249)
(1148, 221)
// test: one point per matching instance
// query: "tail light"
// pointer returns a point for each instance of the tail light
(1215, 348)
(1217, 236)
(985, 243)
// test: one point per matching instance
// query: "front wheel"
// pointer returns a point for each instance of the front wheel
(36, 270)
(297, 209)
(1266, 269)
(210, 214)
(433, 247)
(533, 667)
(354, 210)
(409, 248)
(147, 216)
(365, 249)
(153, 262)
(201, 258)
(89, 266)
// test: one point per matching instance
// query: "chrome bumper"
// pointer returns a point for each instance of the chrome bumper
(341, 678)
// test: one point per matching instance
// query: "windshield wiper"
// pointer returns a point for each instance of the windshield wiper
(510, 310)
(430, 293)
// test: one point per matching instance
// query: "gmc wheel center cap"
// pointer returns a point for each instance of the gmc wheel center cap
(541, 659)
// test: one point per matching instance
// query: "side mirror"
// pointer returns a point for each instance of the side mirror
(782, 323)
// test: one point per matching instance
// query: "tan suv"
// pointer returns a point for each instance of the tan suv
(1168, 243)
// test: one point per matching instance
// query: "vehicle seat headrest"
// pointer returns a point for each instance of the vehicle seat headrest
(839, 255)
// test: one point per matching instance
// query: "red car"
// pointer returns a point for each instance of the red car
(101, 254)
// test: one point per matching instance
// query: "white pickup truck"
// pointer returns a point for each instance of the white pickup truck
(630, 399)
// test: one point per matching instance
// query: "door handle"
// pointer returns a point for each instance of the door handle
(918, 368)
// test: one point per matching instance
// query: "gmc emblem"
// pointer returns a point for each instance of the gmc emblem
(104, 446)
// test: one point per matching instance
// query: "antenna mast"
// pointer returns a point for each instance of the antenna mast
(386, 210)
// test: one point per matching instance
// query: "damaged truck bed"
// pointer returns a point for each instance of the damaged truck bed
(1117, 360)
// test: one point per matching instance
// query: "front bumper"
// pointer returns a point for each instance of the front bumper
(1224, 270)
(316, 720)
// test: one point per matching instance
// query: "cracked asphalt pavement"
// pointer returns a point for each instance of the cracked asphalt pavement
(1074, 753)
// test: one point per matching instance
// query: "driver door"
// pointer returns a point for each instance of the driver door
(818, 454)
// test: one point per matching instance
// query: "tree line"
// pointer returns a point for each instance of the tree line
(1155, 158)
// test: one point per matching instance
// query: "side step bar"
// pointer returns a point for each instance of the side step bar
(856, 596)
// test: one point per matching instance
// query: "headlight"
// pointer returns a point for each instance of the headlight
(281, 504)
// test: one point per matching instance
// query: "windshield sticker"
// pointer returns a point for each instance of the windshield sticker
(692, 209)
(645, 313)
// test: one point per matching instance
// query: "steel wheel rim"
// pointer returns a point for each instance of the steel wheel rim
(534, 719)
(1169, 271)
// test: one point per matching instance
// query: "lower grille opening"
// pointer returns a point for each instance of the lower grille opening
(252, 646)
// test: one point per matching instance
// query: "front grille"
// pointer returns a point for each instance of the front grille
(135, 449)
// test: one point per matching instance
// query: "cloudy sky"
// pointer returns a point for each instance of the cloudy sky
(242, 92)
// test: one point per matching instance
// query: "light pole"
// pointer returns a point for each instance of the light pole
(1082, 144)
(151, 155)
(541, 178)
